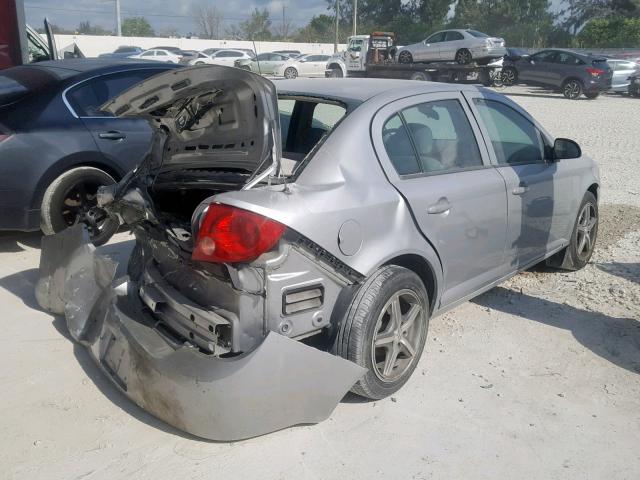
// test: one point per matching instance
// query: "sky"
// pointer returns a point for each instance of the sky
(164, 14)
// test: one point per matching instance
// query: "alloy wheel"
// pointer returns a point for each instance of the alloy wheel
(508, 76)
(397, 333)
(290, 73)
(463, 57)
(405, 57)
(572, 89)
(587, 220)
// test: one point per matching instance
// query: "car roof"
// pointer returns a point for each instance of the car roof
(359, 90)
(77, 67)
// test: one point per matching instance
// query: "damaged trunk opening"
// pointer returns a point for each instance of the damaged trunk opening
(203, 332)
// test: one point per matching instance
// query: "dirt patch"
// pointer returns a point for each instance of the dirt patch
(615, 222)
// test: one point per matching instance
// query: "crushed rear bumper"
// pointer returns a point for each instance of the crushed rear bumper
(279, 384)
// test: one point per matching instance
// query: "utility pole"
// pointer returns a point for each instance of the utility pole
(355, 17)
(335, 45)
(118, 24)
(284, 25)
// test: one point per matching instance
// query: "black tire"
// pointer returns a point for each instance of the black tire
(368, 319)
(634, 91)
(290, 73)
(463, 57)
(420, 76)
(592, 95)
(336, 73)
(509, 76)
(405, 57)
(575, 256)
(71, 199)
(572, 89)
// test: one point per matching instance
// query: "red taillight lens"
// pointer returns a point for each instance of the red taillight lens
(231, 235)
(594, 72)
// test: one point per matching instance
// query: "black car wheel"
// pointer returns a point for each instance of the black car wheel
(421, 76)
(583, 239)
(71, 199)
(463, 56)
(509, 76)
(572, 89)
(336, 73)
(290, 73)
(384, 330)
(634, 90)
(405, 57)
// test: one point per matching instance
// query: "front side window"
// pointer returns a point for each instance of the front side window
(514, 138)
(567, 59)
(441, 139)
(436, 38)
(547, 56)
(87, 98)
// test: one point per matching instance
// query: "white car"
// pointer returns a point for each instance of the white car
(306, 66)
(201, 59)
(158, 55)
(228, 57)
(461, 46)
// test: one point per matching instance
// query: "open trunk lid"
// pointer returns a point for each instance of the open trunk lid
(213, 117)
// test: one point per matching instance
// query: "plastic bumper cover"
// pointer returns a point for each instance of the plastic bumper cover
(279, 384)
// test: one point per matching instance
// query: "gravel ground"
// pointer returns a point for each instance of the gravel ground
(537, 379)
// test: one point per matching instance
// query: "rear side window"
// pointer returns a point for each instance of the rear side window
(477, 34)
(440, 138)
(451, 36)
(87, 97)
(515, 139)
(436, 37)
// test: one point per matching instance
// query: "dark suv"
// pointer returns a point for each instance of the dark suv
(570, 72)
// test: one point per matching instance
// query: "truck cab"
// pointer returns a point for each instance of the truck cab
(362, 50)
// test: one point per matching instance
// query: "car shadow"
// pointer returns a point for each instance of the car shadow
(538, 93)
(628, 271)
(614, 339)
(16, 241)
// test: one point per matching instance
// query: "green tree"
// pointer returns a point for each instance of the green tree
(86, 28)
(257, 27)
(617, 32)
(319, 30)
(137, 27)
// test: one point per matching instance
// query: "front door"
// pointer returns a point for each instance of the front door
(429, 148)
(540, 192)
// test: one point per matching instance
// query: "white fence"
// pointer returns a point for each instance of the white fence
(93, 45)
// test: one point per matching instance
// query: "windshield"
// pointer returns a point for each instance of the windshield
(477, 34)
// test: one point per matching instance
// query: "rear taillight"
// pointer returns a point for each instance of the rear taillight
(4, 134)
(594, 72)
(231, 235)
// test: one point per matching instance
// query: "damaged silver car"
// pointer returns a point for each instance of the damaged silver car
(292, 246)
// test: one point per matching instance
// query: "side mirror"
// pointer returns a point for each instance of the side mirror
(563, 148)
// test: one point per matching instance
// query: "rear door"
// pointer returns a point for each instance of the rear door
(431, 153)
(454, 41)
(123, 140)
(541, 194)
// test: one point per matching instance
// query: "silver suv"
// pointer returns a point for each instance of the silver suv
(291, 247)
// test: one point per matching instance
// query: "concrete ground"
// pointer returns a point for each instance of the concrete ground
(538, 378)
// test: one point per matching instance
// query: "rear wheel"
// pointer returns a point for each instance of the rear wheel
(634, 90)
(509, 76)
(290, 73)
(71, 199)
(405, 57)
(336, 73)
(572, 89)
(463, 56)
(384, 330)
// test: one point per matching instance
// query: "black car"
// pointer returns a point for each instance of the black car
(57, 147)
(571, 73)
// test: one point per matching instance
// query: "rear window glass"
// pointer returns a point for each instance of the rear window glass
(477, 34)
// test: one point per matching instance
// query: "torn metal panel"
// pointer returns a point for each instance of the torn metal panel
(280, 383)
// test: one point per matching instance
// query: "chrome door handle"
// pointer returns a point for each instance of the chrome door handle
(441, 206)
(520, 189)
(112, 135)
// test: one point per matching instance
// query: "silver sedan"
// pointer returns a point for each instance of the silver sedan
(461, 46)
(293, 245)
